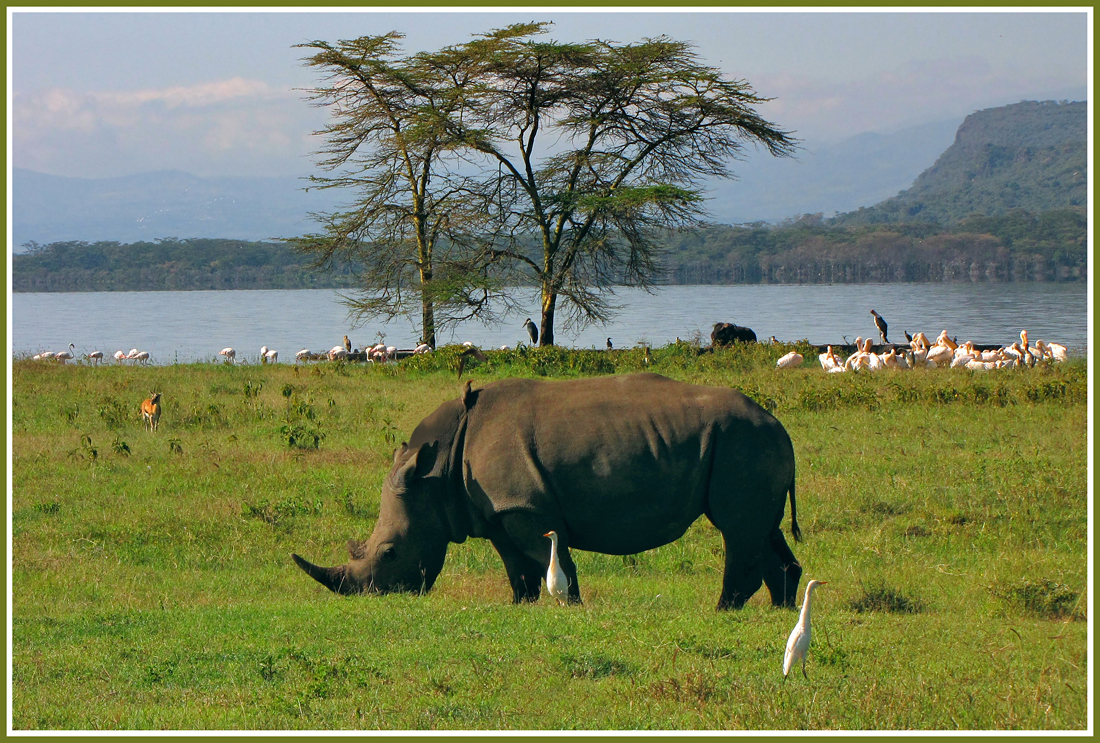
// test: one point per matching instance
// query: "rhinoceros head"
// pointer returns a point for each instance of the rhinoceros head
(406, 550)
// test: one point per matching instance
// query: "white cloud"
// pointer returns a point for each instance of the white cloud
(914, 93)
(231, 126)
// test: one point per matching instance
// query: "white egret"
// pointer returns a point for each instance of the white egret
(798, 644)
(557, 584)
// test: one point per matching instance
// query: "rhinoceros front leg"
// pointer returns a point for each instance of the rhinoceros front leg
(524, 573)
(527, 531)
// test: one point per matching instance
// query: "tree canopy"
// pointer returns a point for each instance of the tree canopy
(588, 150)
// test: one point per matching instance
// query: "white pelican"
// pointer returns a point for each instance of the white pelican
(789, 361)
(799, 642)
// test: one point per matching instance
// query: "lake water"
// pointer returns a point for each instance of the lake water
(193, 326)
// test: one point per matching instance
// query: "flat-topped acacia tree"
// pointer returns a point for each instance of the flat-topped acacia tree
(407, 230)
(513, 159)
(598, 148)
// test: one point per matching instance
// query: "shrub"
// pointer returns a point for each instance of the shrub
(1046, 598)
(881, 597)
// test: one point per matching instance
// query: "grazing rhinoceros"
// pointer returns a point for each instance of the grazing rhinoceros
(613, 464)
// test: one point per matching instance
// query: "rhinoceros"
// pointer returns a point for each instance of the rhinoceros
(617, 465)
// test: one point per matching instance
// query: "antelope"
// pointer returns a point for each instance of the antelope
(150, 412)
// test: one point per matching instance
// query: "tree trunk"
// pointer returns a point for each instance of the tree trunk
(546, 331)
(427, 319)
(427, 306)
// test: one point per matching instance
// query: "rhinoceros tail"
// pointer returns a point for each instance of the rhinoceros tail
(334, 579)
(794, 517)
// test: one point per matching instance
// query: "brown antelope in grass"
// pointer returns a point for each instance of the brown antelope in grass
(150, 412)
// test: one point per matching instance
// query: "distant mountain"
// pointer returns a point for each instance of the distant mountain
(162, 204)
(826, 179)
(1030, 155)
(856, 172)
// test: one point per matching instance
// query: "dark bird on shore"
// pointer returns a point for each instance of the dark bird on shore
(609, 346)
(347, 343)
(465, 357)
(532, 331)
(908, 338)
(880, 323)
(647, 358)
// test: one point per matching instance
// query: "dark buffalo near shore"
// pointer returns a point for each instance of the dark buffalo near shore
(725, 333)
(616, 465)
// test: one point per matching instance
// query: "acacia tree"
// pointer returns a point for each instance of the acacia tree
(598, 148)
(408, 229)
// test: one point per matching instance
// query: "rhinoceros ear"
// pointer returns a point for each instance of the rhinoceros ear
(399, 452)
(417, 465)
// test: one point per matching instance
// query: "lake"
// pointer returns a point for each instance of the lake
(180, 327)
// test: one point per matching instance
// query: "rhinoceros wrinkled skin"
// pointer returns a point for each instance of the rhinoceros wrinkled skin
(616, 465)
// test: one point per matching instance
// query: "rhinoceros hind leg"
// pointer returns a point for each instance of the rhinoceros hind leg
(781, 570)
(742, 576)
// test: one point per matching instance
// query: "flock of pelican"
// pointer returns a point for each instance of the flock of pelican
(944, 352)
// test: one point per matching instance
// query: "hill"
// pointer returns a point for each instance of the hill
(163, 204)
(167, 265)
(1029, 155)
(829, 178)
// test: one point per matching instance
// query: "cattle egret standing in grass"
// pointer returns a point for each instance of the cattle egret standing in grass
(557, 584)
(799, 642)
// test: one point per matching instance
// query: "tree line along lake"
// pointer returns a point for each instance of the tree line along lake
(192, 326)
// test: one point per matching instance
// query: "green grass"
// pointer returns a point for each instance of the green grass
(153, 586)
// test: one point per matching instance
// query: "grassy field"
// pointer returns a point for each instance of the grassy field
(153, 586)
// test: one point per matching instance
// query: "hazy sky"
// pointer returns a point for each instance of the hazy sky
(219, 93)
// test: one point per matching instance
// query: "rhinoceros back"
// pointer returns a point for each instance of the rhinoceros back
(626, 462)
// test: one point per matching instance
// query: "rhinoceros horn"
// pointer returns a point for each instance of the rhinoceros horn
(335, 579)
